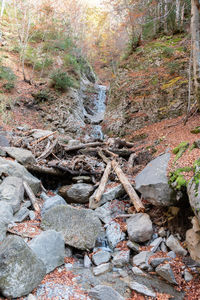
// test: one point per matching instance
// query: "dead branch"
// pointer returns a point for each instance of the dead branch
(131, 161)
(31, 196)
(128, 187)
(48, 150)
(103, 157)
(83, 146)
(102, 184)
(43, 138)
(44, 170)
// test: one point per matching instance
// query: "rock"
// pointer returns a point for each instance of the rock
(23, 156)
(101, 269)
(121, 258)
(175, 246)
(137, 271)
(20, 269)
(187, 276)
(133, 246)
(31, 297)
(110, 210)
(171, 254)
(68, 252)
(6, 212)
(87, 261)
(142, 260)
(13, 168)
(79, 179)
(155, 244)
(142, 289)
(73, 143)
(139, 228)
(154, 262)
(32, 215)
(49, 246)
(76, 193)
(114, 234)
(103, 292)
(162, 232)
(110, 194)
(165, 271)
(193, 191)
(163, 247)
(101, 257)
(80, 227)
(12, 192)
(21, 215)
(3, 230)
(4, 141)
(152, 182)
(51, 202)
(193, 244)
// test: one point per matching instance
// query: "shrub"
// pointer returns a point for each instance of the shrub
(168, 52)
(8, 78)
(42, 96)
(61, 81)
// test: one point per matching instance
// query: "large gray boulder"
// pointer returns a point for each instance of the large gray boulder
(153, 184)
(6, 216)
(49, 246)
(21, 155)
(13, 168)
(12, 192)
(114, 234)
(77, 193)
(20, 269)
(51, 202)
(139, 228)
(103, 292)
(80, 227)
(193, 191)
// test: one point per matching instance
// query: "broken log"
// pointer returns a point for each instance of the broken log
(44, 170)
(128, 187)
(82, 146)
(102, 184)
(31, 196)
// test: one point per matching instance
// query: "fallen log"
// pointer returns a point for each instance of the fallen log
(128, 187)
(82, 146)
(131, 161)
(44, 170)
(31, 196)
(102, 184)
(43, 138)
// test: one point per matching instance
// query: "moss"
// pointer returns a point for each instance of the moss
(180, 149)
(196, 130)
(177, 179)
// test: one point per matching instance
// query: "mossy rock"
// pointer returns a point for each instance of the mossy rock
(196, 130)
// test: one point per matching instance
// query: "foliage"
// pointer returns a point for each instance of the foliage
(7, 77)
(196, 130)
(42, 96)
(180, 149)
(177, 179)
(168, 52)
(61, 81)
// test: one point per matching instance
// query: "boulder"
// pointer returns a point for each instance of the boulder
(6, 217)
(103, 292)
(51, 202)
(12, 192)
(193, 191)
(139, 228)
(101, 257)
(109, 195)
(193, 241)
(76, 193)
(21, 215)
(142, 289)
(101, 269)
(175, 246)
(21, 155)
(152, 182)
(13, 168)
(110, 210)
(80, 227)
(20, 269)
(142, 260)
(114, 234)
(121, 258)
(49, 246)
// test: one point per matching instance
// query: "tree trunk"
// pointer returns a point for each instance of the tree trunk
(2, 7)
(195, 31)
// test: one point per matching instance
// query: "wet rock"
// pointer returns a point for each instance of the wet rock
(114, 234)
(152, 182)
(80, 227)
(101, 269)
(121, 258)
(139, 228)
(133, 246)
(21, 215)
(23, 156)
(158, 261)
(142, 289)
(101, 257)
(165, 271)
(20, 269)
(187, 276)
(12, 192)
(103, 292)
(76, 193)
(13, 168)
(111, 194)
(87, 261)
(49, 246)
(142, 260)
(51, 202)
(175, 246)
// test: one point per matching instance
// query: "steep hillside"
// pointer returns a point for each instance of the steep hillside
(151, 85)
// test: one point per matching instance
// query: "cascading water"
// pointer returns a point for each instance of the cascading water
(96, 115)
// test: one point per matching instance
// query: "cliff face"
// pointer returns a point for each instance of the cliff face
(151, 85)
